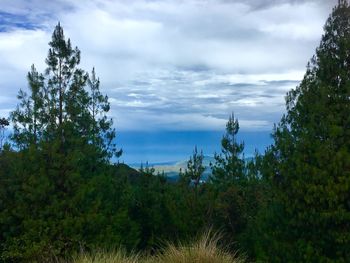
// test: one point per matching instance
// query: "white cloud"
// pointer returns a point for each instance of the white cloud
(21, 48)
(173, 64)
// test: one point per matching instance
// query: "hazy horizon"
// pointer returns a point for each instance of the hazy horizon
(174, 146)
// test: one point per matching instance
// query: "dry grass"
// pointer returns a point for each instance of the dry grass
(205, 250)
(119, 256)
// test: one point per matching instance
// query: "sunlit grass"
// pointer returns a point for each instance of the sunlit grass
(205, 250)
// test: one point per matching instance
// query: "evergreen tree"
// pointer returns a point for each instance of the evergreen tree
(64, 142)
(60, 108)
(101, 129)
(229, 164)
(195, 169)
(65, 84)
(28, 118)
(311, 177)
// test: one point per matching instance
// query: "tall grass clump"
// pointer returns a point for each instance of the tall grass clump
(204, 250)
(117, 256)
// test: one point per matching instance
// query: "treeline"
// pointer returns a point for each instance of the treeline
(59, 193)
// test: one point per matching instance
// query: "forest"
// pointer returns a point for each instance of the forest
(62, 193)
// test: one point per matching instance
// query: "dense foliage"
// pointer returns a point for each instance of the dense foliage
(54, 182)
(310, 209)
(60, 194)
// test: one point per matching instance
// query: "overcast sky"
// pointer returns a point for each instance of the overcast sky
(171, 64)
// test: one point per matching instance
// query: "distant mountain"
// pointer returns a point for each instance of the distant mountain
(172, 169)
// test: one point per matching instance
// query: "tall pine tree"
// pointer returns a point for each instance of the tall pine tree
(64, 142)
(311, 207)
(229, 164)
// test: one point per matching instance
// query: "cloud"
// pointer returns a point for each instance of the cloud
(172, 64)
(266, 4)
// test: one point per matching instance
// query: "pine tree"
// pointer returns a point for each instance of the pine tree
(60, 107)
(63, 78)
(63, 141)
(195, 169)
(229, 164)
(101, 129)
(27, 118)
(312, 153)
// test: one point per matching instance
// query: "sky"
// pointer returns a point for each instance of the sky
(172, 65)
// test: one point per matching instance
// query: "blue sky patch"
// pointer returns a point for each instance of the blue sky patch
(9, 22)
